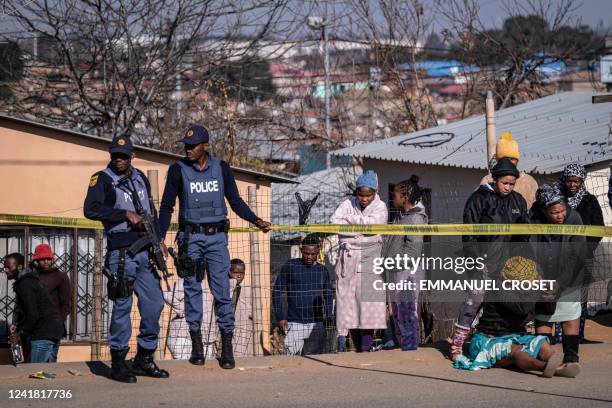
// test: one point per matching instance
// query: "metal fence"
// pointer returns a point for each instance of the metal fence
(79, 253)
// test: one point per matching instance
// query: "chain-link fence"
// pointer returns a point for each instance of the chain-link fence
(281, 307)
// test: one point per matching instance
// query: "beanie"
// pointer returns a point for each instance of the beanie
(507, 147)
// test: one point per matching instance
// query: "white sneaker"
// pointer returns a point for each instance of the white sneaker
(569, 370)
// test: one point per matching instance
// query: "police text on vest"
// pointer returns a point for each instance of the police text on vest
(203, 186)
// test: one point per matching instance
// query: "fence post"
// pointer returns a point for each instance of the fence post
(257, 299)
(490, 126)
(96, 329)
(153, 176)
(74, 278)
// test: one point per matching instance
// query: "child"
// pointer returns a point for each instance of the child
(241, 304)
(179, 340)
(355, 263)
(406, 197)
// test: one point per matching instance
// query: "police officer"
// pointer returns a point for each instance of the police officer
(110, 199)
(201, 182)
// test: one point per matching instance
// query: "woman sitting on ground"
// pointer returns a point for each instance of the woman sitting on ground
(501, 339)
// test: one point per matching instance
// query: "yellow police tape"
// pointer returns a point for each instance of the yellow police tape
(386, 229)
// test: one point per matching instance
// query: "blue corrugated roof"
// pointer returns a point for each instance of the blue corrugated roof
(437, 69)
(551, 132)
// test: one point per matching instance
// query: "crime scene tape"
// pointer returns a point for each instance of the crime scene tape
(384, 229)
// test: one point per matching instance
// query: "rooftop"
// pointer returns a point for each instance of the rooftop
(552, 132)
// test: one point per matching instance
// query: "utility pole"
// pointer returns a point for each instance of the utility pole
(327, 87)
(490, 121)
(320, 23)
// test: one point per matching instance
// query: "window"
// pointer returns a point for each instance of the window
(74, 254)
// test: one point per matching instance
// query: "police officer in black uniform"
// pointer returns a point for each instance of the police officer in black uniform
(110, 199)
(202, 183)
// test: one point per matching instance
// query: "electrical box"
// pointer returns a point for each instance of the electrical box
(605, 69)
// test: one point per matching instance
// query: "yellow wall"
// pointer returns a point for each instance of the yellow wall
(46, 172)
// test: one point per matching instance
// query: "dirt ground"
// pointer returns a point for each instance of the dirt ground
(373, 380)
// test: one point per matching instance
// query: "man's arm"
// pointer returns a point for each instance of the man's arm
(471, 215)
(65, 296)
(329, 299)
(30, 309)
(277, 294)
(100, 200)
(233, 196)
(171, 192)
(596, 219)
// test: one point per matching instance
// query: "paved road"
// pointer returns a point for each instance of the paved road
(373, 380)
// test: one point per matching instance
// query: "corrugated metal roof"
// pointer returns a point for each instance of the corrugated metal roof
(332, 184)
(551, 132)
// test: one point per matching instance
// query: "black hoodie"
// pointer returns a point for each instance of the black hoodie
(507, 312)
(485, 206)
(35, 315)
(58, 286)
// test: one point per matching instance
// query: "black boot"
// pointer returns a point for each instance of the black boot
(571, 345)
(145, 365)
(227, 354)
(197, 348)
(119, 369)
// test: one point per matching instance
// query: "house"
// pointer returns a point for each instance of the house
(451, 160)
(45, 171)
(332, 186)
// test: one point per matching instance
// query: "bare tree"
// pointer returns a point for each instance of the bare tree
(126, 64)
(513, 58)
(394, 31)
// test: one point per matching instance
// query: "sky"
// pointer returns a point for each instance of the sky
(591, 12)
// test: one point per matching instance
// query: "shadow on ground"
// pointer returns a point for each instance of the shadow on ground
(455, 381)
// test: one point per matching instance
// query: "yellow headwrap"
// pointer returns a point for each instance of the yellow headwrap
(519, 268)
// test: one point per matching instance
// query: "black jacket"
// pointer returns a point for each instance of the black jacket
(59, 288)
(590, 213)
(99, 205)
(559, 257)
(511, 315)
(485, 206)
(35, 315)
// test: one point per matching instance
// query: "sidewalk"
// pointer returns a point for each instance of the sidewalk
(381, 379)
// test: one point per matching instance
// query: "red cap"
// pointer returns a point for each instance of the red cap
(42, 251)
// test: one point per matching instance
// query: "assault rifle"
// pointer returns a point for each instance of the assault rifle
(150, 234)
